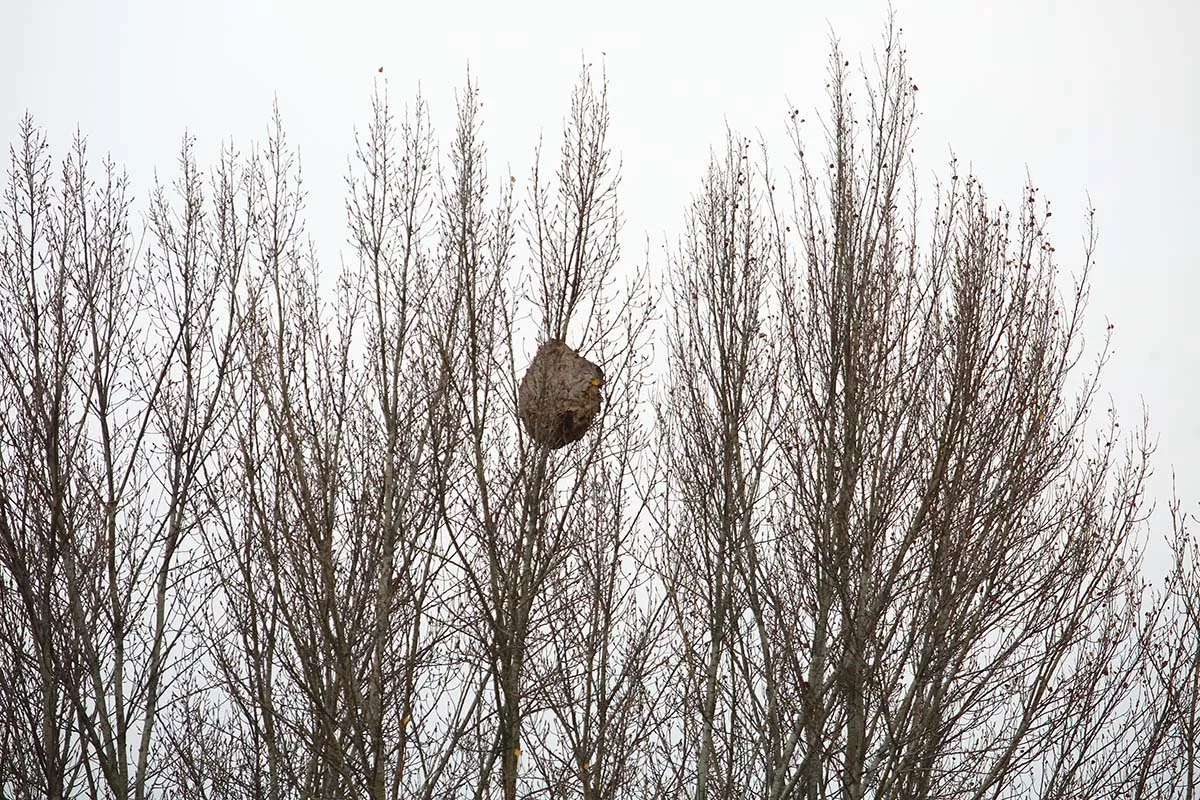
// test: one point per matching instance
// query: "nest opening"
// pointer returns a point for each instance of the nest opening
(559, 396)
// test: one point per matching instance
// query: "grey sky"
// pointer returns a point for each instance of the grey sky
(1099, 98)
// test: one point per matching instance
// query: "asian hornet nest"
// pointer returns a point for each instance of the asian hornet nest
(559, 396)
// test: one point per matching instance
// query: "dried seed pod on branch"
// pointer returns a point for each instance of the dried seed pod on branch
(559, 395)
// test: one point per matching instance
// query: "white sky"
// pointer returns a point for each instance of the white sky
(1099, 99)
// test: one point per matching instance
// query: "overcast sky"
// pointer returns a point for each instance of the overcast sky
(1098, 99)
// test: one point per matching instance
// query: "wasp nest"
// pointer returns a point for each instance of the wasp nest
(559, 395)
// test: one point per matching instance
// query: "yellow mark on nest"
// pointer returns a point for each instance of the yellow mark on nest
(595, 381)
(517, 752)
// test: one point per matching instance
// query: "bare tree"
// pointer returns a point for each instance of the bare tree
(112, 367)
(524, 523)
(326, 556)
(1162, 752)
(720, 412)
(914, 567)
(592, 675)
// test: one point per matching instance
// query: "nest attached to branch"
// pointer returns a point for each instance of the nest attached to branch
(559, 395)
